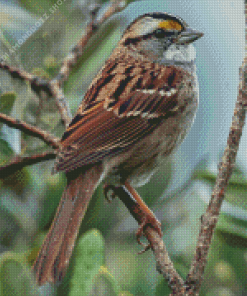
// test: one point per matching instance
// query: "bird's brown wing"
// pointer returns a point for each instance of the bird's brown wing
(110, 125)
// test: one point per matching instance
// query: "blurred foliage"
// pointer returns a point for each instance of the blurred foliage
(89, 255)
(105, 261)
(15, 276)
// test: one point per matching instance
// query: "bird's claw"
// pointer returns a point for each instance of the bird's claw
(147, 221)
(106, 190)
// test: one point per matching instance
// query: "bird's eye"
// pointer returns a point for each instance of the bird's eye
(160, 33)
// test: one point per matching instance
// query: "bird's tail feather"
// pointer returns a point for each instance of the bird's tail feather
(53, 258)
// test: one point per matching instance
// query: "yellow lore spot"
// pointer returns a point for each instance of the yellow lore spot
(170, 25)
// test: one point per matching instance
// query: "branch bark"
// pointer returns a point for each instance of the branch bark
(73, 57)
(39, 85)
(30, 130)
(210, 218)
(19, 162)
(53, 88)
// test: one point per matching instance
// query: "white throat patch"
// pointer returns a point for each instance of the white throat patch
(180, 54)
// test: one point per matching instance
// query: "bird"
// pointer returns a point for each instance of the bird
(134, 115)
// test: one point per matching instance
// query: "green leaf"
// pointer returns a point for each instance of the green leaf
(236, 195)
(125, 293)
(44, 6)
(20, 210)
(15, 277)
(5, 152)
(234, 230)
(12, 137)
(89, 257)
(5, 149)
(104, 284)
(162, 288)
(6, 103)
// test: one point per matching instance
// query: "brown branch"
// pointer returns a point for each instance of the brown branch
(61, 102)
(19, 162)
(17, 73)
(53, 88)
(30, 130)
(39, 85)
(210, 218)
(73, 57)
(164, 264)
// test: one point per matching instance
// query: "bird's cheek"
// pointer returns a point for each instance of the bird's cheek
(166, 44)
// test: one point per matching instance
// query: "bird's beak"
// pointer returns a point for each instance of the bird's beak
(187, 36)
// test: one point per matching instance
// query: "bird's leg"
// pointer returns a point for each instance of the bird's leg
(148, 218)
(140, 211)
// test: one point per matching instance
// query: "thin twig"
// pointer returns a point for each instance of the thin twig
(210, 218)
(78, 50)
(30, 130)
(19, 162)
(74, 56)
(53, 88)
(61, 102)
(39, 85)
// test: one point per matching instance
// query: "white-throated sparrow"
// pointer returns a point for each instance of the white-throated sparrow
(136, 111)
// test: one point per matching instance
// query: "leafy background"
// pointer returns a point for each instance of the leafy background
(105, 261)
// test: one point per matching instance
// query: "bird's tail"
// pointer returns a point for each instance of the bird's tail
(54, 255)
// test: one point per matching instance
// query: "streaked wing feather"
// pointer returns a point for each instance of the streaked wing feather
(108, 126)
(111, 138)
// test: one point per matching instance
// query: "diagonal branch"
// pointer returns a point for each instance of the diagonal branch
(73, 57)
(210, 218)
(30, 130)
(19, 162)
(53, 88)
(39, 85)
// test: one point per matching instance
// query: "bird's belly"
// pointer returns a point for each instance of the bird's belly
(155, 150)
